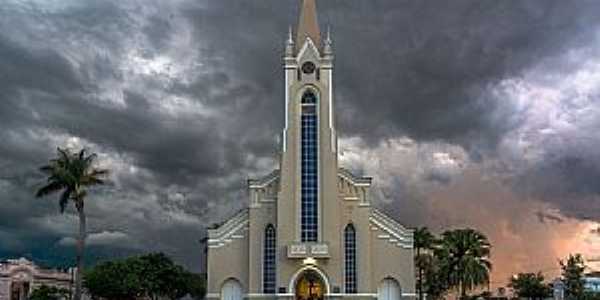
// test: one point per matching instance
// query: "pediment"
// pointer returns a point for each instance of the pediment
(351, 187)
(232, 229)
(390, 230)
(264, 181)
(309, 51)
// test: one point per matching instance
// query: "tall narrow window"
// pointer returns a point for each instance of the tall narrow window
(350, 259)
(269, 257)
(309, 168)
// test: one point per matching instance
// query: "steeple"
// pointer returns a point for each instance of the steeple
(308, 26)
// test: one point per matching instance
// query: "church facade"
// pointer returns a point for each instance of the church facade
(310, 231)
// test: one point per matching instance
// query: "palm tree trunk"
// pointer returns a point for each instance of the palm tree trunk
(420, 270)
(80, 252)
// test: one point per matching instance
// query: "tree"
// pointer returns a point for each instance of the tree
(162, 278)
(152, 276)
(434, 281)
(45, 292)
(71, 174)
(117, 280)
(464, 258)
(423, 240)
(572, 273)
(530, 285)
(196, 285)
(591, 296)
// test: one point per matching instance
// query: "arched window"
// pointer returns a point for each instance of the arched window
(350, 259)
(269, 260)
(309, 168)
(309, 98)
(231, 290)
(389, 289)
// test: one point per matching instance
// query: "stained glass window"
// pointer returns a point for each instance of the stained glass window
(309, 168)
(269, 258)
(350, 259)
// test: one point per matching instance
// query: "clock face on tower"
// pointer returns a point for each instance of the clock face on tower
(308, 68)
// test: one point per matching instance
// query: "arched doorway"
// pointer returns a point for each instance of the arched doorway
(310, 286)
(20, 285)
(19, 290)
(389, 289)
(231, 290)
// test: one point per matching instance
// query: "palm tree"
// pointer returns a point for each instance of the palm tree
(71, 173)
(423, 240)
(465, 254)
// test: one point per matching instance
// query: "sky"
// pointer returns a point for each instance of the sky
(480, 114)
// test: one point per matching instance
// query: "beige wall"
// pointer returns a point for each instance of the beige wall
(392, 261)
(228, 261)
(260, 217)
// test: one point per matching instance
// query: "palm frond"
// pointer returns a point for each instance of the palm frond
(65, 175)
(51, 187)
(64, 199)
(90, 159)
(71, 172)
(64, 155)
(94, 177)
(99, 172)
(47, 168)
(92, 181)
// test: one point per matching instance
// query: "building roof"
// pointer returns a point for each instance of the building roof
(308, 26)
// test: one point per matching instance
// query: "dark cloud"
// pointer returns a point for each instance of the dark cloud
(184, 101)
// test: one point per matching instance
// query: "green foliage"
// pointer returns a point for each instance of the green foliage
(590, 296)
(118, 280)
(530, 285)
(70, 173)
(464, 258)
(196, 285)
(424, 241)
(45, 292)
(460, 260)
(572, 273)
(153, 276)
(434, 281)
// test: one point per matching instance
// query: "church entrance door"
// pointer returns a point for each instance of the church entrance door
(310, 286)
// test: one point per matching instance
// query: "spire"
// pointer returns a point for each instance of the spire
(308, 26)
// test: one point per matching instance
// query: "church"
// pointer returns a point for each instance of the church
(310, 231)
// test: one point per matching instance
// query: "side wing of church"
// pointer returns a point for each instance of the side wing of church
(310, 231)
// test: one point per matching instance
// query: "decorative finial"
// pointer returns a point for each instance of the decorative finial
(327, 50)
(289, 44)
(290, 35)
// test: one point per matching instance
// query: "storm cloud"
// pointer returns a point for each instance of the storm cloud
(489, 102)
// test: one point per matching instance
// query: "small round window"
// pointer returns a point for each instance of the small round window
(308, 67)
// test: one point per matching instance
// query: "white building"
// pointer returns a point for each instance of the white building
(310, 231)
(592, 282)
(19, 277)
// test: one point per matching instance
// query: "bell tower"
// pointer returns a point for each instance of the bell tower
(308, 180)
